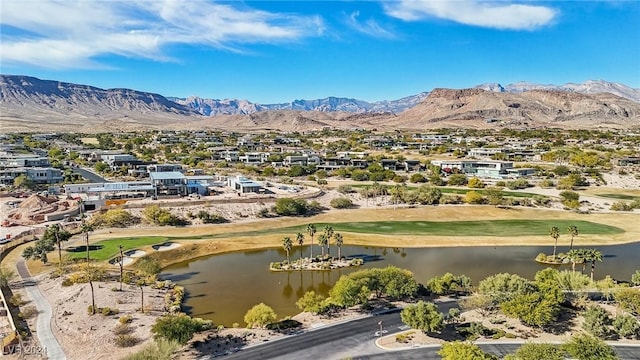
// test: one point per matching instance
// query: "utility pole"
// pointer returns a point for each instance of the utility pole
(121, 265)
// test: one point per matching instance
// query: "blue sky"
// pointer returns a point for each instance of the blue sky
(278, 51)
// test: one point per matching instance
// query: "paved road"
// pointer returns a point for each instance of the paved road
(624, 352)
(356, 339)
(43, 323)
(89, 175)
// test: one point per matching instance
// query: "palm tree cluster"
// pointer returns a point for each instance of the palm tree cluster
(324, 241)
(584, 256)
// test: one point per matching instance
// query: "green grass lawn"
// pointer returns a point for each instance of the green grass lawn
(499, 228)
(110, 248)
(460, 191)
(619, 196)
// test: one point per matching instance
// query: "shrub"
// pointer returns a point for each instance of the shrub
(126, 340)
(626, 326)
(126, 319)
(28, 312)
(179, 328)
(341, 203)
(16, 300)
(518, 184)
(260, 315)
(345, 189)
(620, 206)
(114, 218)
(474, 197)
(635, 278)
(596, 321)
(122, 329)
(291, 207)
(475, 183)
(107, 311)
(67, 282)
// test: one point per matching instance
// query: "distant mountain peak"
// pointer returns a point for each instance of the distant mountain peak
(587, 87)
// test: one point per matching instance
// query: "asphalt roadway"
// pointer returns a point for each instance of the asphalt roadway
(356, 340)
(89, 175)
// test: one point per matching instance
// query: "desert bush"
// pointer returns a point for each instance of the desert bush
(126, 340)
(28, 312)
(341, 203)
(620, 206)
(122, 329)
(126, 319)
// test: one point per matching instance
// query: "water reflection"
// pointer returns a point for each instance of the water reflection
(224, 287)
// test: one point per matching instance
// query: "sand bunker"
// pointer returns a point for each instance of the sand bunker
(166, 246)
(135, 253)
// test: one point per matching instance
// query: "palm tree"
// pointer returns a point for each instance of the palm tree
(573, 232)
(339, 242)
(91, 274)
(555, 234)
(322, 242)
(287, 244)
(300, 241)
(593, 255)
(86, 228)
(574, 255)
(311, 230)
(328, 231)
(56, 234)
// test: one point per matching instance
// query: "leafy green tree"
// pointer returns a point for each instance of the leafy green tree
(457, 179)
(417, 178)
(448, 284)
(504, 286)
(495, 195)
(587, 347)
(626, 326)
(341, 203)
(39, 250)
(148, 265)
(22, 181)
(635, 278)
(572, 281)
(596, 321)
(570, 199)
(291, 207)
(473, 197)
(423, 316)
(464, 351)
(537, 351)
(428, 195)
(311, 230)
(311, 302)
(287, 245)
(475, 183)
(101, 167)
(260, 315)
(628, 299)
(180, 328)
(533, 309)
(348, 291)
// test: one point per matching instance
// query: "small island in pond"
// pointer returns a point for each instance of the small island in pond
(317, 263)
(322, 262)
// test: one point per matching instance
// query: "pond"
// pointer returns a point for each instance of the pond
(223, 287)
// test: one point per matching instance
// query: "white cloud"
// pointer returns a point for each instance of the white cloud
(496, 14)
(66, 34)
(369, 27)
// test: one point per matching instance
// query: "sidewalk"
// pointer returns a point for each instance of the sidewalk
(43, 323)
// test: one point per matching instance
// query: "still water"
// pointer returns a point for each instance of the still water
(223, 287)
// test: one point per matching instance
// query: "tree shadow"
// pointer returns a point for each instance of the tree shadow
(83, 248)
(214, 345)
(179, 277)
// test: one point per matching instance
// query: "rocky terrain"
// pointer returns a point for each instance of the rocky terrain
(30, 104)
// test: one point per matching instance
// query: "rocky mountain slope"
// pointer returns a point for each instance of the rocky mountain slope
(482, 108)
(30, 104)
(27, 103)
(588, 87)
(212, 107)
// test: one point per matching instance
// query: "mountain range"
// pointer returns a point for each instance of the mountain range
(27, 103)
